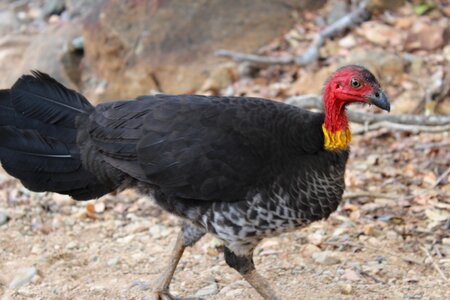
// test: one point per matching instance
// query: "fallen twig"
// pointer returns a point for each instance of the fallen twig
(360, 117)
(435, 265)
(411, 123)
(431, 145)
(435, 185)
(311, 54)
(441, 177)
(350, 195)
(306, 101)
(256, 59)
(374, 278)
(402, 127)
(316, 102)
(438, 89)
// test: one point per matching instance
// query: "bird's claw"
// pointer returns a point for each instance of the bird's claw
(161, 295)
(165, 295)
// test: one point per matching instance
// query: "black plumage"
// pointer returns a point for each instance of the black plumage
(38, 137)
(203, 148)
(240, 168)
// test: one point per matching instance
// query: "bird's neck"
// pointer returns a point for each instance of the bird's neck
(335, 129)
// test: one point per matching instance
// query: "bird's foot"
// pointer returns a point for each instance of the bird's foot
(165, 295)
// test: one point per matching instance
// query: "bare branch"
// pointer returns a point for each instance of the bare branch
(438, 88)
(402, 127)
(441, 177)
(431, 145)
(434, 264)
(306, 101)
(256, 59)
(315, 101)
(356, 17)
(351, 195)
(311, 54)
(434, 120)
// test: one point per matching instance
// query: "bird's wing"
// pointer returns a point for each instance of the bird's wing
(113, 132)
(208, 148)
(203, 148)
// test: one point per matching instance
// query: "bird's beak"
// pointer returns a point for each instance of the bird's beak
(378, 98)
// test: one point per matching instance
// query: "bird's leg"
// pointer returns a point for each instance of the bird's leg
(188, 236)
(162, 285)
(245, 266)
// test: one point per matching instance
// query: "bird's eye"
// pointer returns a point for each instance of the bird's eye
(355, 83)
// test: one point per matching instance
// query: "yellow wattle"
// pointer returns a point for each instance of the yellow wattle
(338, 140)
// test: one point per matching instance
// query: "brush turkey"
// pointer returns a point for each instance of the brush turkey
(239, 168)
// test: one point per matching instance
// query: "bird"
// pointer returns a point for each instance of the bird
(239, 168)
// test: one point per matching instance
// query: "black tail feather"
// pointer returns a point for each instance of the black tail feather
(39, 153)
(38, 136)
(9, 117)
(42, 98)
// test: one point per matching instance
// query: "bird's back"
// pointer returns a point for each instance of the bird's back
(203, 156)
(205, 148)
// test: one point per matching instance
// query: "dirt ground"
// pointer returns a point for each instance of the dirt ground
(393, 245)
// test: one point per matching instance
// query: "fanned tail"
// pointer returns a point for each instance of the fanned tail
(38, 135)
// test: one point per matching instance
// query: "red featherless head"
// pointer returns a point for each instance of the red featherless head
(349, 84)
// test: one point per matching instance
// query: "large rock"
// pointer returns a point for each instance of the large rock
(385, 4)
(55, 55)
(8, 22)
(169, 45)
(11, 52)
(49, 51)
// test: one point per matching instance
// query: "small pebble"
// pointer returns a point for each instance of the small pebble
(113, 261)
(158, 231)
(71, 245)
(99, 207)
(78, 43)
(212, 251)
(36, 249)
(212, 247)
(98, 289)
(348, 42)
(23, 277)
(69, 221)
(211, 289)
(327, 276)
(326, 258)
(143, 285)
(316, 238)
(3, 218)
(125, 240)
(351, 275)
(36, 279)
(136, 228)
(234, 294)
(308, 250)
(374, 241)
(346, 289)
(392, 235)
(413, 296)
(369, 229)
(139, 256)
